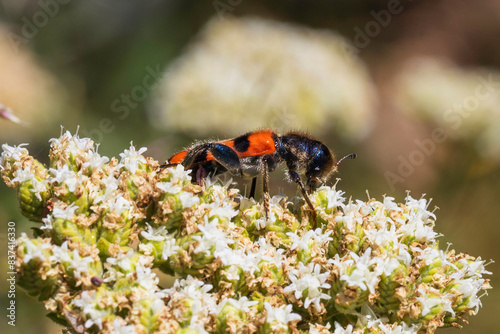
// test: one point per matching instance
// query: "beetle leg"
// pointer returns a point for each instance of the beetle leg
(252, 188)
(296, 178)
(167, 165)
(265, 186)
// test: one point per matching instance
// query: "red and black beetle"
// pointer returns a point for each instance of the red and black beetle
(258, 153)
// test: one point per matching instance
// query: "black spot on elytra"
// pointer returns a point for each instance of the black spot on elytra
(241, 144)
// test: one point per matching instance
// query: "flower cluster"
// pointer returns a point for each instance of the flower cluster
(273, 74)
(107, 224)
(461, 101)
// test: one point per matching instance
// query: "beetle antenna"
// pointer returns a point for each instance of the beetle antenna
(349, 156)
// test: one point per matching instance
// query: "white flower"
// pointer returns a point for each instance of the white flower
(201, 301)
(23, 175)
(47, 223)
(169, 248)
(396, 329)
(212, 237)
(62, 175)
(73, 146)
(155, 234)
(232, 273)
(351, 217)
(12, 152)
(382, 236)
(299, 243)
(341, 264)
(222, 210)
(26, 174)
(72, 259)
(146, 278)
(118, 328)
(169, 187)
(261, 223)
(158, 303)
(267, 252)
(188, 199)
(62, 138)
(335, 197)
(67, 213)
(82, 144)
(418, 226)
(96, 162)
(38, 187)
(33, 251)
(119, 205)
(403, 254)
(366, 272)
(431, 255)
(247, 261)
(190, 286)
(388, 265)
(308, 278)
(122, 260)
(109, 184)
(365, 208)
(242, 304)
(469, 288)
(427, 302)
(279, 317)
(303, 243)
(89, 305)
(390, 205)
(179, 175)
(420, 206)
(475, 268)
(341, 330)
(131, 158)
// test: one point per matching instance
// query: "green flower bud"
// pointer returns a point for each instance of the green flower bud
(346, 240)
(186, 261)
(117, 235)
(230, 316)
(271, 275)
(32, 203)
(347, 299)
(148, 317)
(36, 272)
(388, 300)
(64, 229)
(233, 276)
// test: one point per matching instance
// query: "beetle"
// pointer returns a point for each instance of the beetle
(258, 153)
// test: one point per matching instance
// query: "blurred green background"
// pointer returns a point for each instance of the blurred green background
(411, 86)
